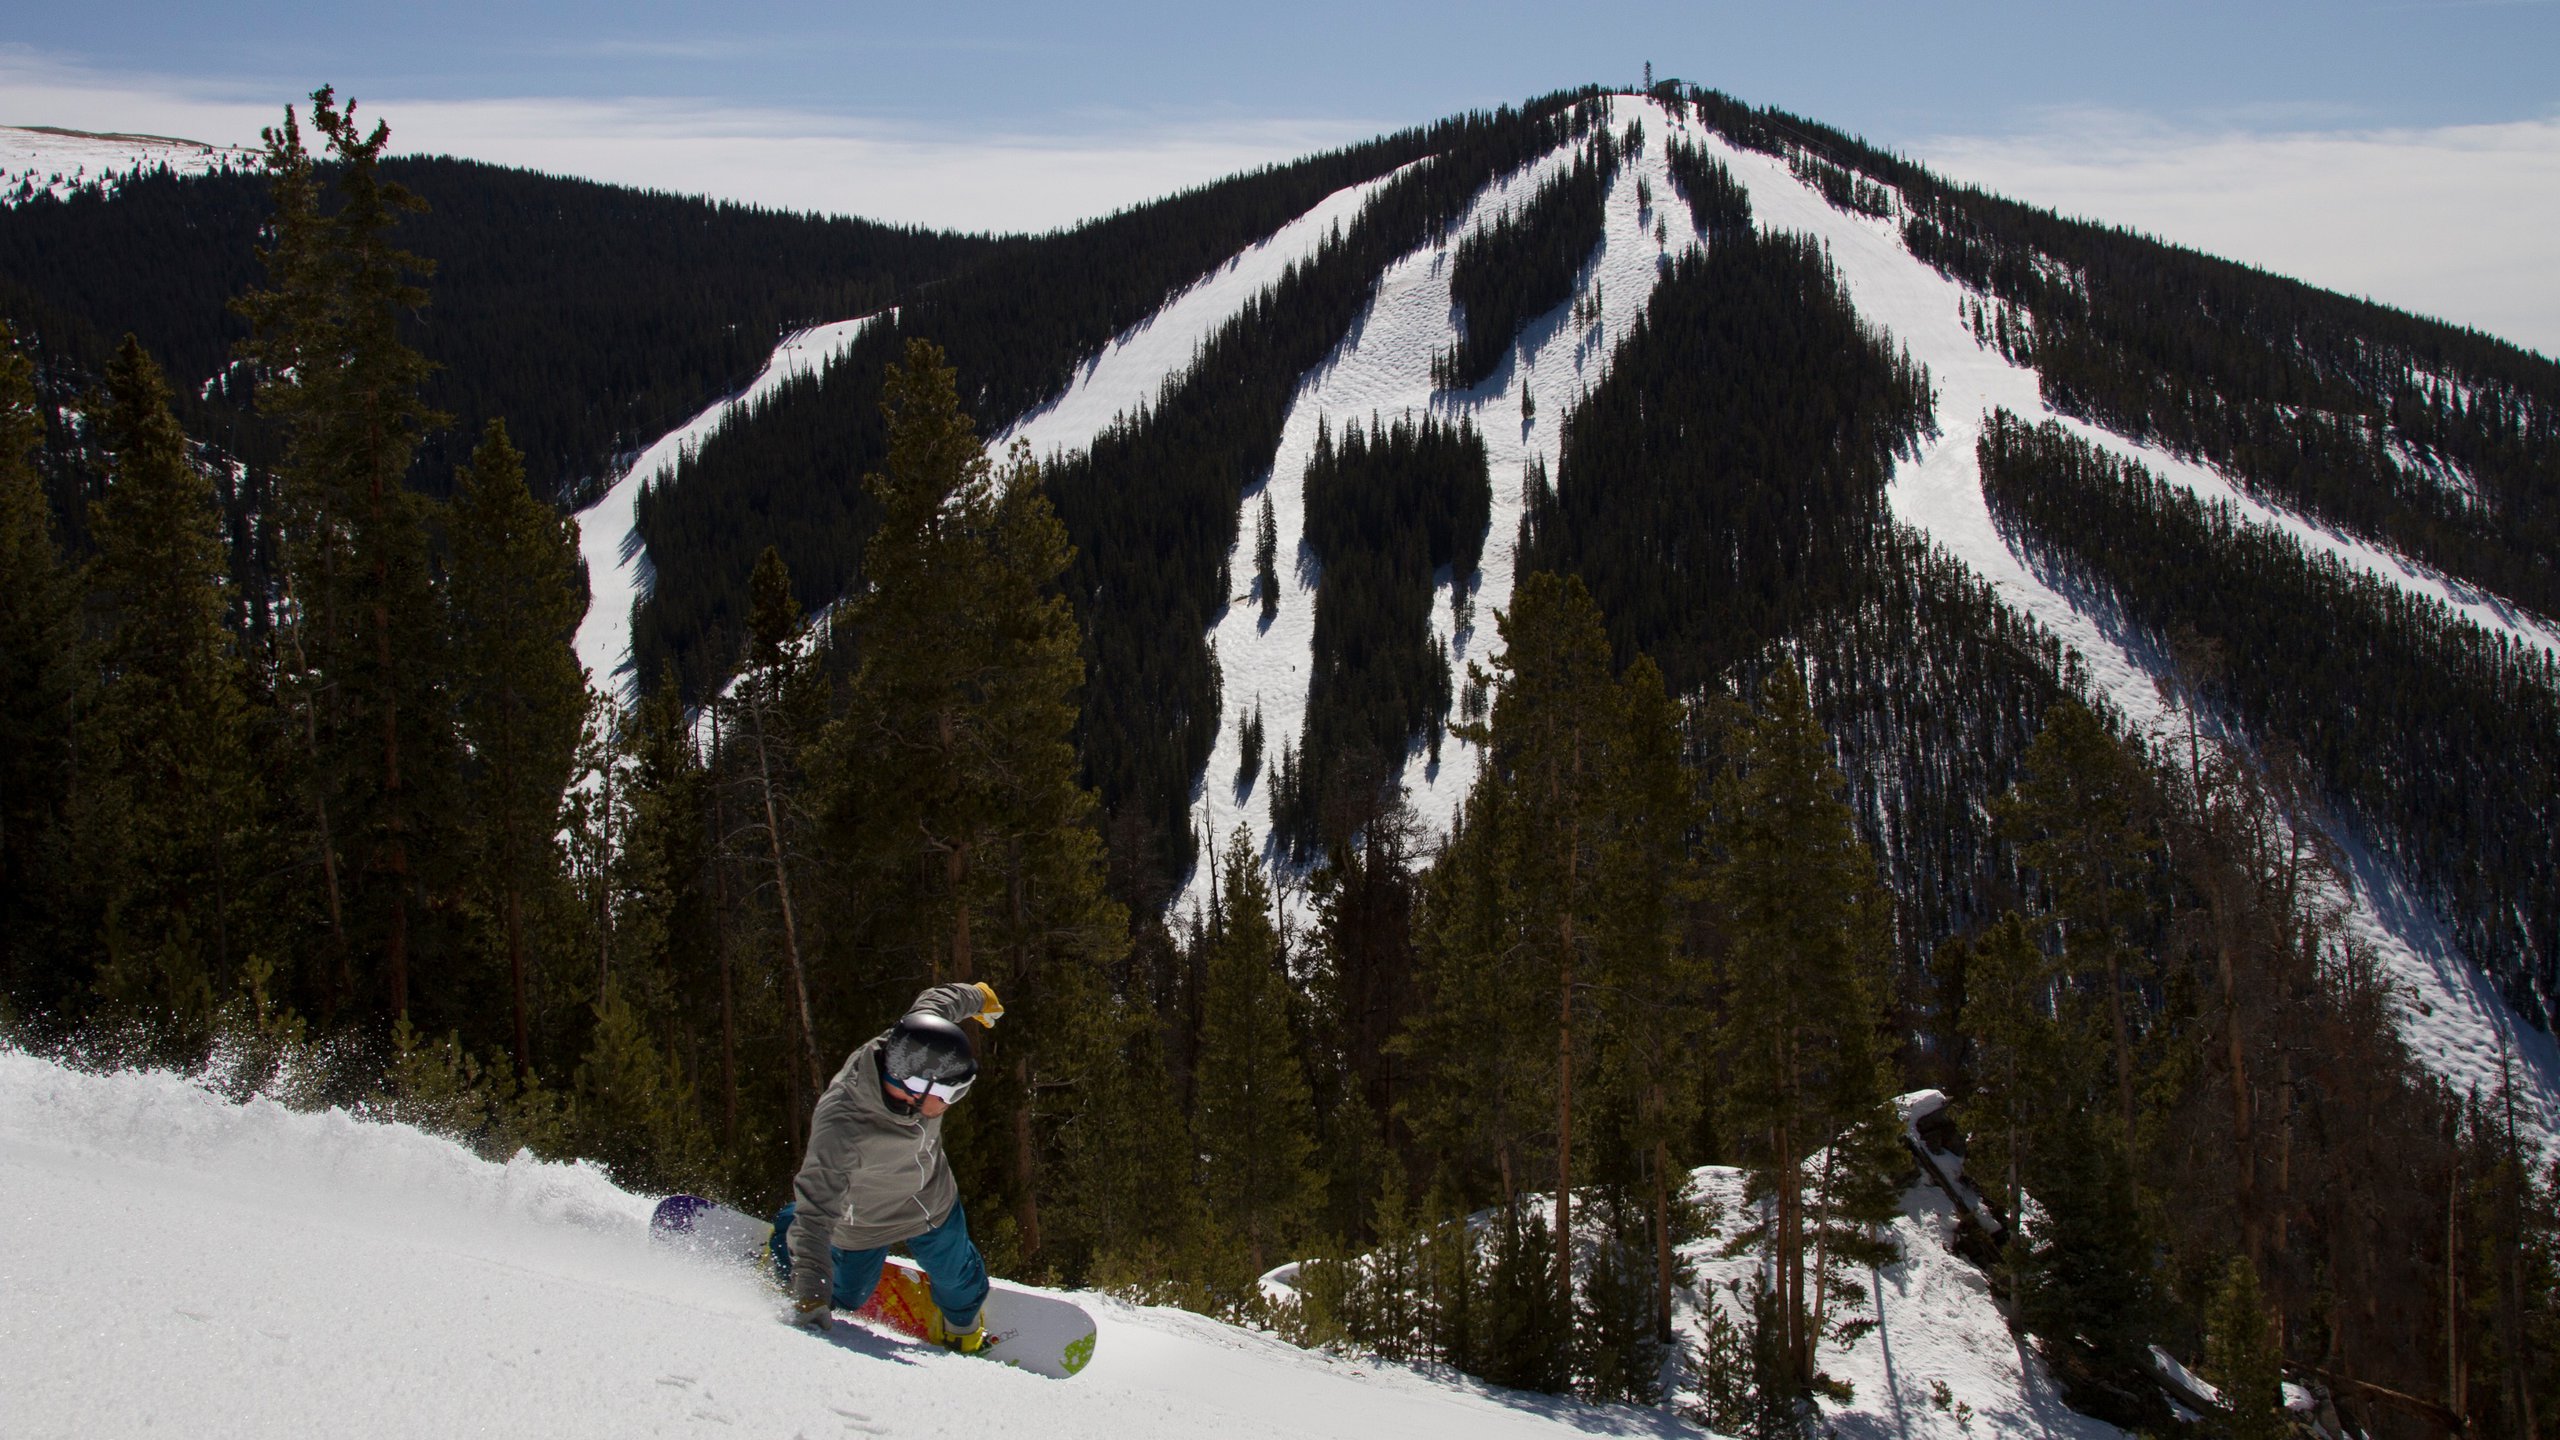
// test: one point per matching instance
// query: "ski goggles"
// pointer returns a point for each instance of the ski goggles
(946, 1091)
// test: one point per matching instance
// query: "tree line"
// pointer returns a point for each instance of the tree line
(2436, 440)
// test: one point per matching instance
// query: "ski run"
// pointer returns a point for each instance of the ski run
(2452, 1018)
(215, 1268)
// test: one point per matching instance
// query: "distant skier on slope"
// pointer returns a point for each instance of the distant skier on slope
(876, 1174)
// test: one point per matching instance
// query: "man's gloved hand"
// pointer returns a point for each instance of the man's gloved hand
(810, 1312)
(993, 1007)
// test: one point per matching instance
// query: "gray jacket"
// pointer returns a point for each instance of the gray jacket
(873, 1177)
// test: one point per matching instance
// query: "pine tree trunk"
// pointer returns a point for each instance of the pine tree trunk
(1026, 1173)
(1564, 1119)
(1661, 1239)
(790, 923)
(1822, 1248)
(720, 943)
(2244, 1140)
(515, 971)
(346, 983)
(955, 876)
(604, 870)
(2124, 1041)
(1026, 1160)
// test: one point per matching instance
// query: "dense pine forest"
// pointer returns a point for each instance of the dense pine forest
(1781, 811)
(592, 318)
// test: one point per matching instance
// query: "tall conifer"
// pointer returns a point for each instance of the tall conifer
(366, 633)
(1801, 976)
(516, 604)
(167, 792)
(951, 778)
(41, 664)
(1255, 1126)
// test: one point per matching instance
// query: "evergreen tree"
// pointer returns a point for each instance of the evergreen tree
(516, 605)
(2242, 1361)
(777, 701)
(1555, 717)
(1255, 1126)
(2087, 1292)
(335, 371)
(1473, 1038)
(634, 1111)
(1649, 1073)
(1804, 928)
(2082, 817)
(41, 665)
(951, 777)
(2015, 1060)
(167, 794)
(666, 927)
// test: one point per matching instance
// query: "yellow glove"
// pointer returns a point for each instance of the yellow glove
(994, 1007)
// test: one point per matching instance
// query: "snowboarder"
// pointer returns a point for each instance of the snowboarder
(876, 1174)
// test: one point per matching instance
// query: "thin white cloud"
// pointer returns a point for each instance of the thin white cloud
(787, 159)
(2460, 222)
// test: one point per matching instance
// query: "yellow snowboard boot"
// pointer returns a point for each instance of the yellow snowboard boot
(966, 1342)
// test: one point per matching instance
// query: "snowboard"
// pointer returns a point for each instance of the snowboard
(1044, 1334)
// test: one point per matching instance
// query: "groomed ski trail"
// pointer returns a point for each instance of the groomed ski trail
(616, 561)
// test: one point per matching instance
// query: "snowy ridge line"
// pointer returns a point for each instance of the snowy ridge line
(1140, 363)
(2451, 1017)
(618, 573)
(1382, 367)
(303, 1268)
(46, 161)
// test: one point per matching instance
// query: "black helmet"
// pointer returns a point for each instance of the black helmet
(924, 1052)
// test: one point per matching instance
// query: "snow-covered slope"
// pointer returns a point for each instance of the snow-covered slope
(1134, 369)
(1939, 1341)
(1383, 369)
(178, 1264)
(617, 567)
(2453, 1020)
(45, 160)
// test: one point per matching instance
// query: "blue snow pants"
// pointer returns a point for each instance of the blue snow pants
(950, 1260)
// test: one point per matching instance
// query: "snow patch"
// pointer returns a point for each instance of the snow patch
(1940, 1362)
(43, 160)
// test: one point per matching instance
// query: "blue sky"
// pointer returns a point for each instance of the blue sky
(1898, 70)
(2408, 150)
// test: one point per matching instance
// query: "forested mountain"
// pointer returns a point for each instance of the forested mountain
(1647, 629)
(592, 317)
